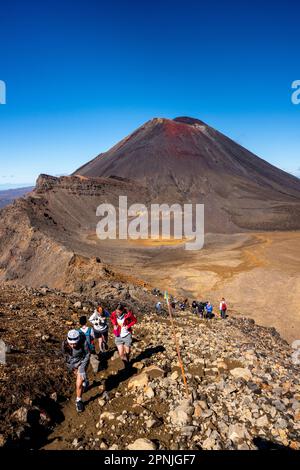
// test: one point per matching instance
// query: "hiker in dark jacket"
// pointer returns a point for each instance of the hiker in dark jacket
(201, 309)
(77, 356)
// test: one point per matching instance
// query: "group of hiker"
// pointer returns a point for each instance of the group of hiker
(80, 343)
(202, 309)
(206, 309)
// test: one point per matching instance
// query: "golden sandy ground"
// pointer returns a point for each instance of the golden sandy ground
(258, 273)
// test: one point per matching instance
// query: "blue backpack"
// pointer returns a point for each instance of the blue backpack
(89, 339)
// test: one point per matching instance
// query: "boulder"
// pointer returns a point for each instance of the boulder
(182, 414)
(174, 375)
(142, 444)
(262, 422)
(107, 415)
(208, 444)
(241, 373)
(236, 432)
(149, 392)
(138, 365)
(153, 372)
(138, 381)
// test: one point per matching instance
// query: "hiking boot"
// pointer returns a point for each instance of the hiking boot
(79, 406)
(85, 385)
(127, 365)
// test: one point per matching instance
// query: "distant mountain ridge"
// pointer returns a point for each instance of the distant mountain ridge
(7, 196)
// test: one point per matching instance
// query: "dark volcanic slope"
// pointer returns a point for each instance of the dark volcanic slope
(186, 160)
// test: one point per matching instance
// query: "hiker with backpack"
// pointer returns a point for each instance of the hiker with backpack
(209, 310)
(201, 309)
(183, 305)
(99, 319)
(158, 307)
(223, 308)
(89, 333)
(123, 321)
(194, 307)
(76, 354)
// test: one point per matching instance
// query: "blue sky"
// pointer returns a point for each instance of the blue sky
(81, 75)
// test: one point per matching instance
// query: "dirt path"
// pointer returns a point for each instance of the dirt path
(106, 393)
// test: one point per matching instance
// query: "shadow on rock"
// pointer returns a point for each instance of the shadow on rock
(264, 444)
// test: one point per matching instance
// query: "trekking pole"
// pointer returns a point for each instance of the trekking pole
(178, 349)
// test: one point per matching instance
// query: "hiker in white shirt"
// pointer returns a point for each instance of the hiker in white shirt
(99, 319)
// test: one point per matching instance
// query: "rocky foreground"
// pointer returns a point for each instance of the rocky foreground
(244, 390)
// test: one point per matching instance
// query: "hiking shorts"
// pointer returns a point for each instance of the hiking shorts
(82, 369)
(126, 341)
(99, 334)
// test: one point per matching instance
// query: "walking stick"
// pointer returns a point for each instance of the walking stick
(177, 347)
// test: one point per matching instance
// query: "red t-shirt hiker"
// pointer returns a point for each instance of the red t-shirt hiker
(123, 320)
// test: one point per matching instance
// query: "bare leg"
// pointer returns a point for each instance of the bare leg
(127, 352)
(101, 344)
(79, 385)
(121, 351)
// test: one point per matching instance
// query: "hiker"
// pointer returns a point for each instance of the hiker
(194, 307)
(77, 356)
(223, 308)
(156, 292)
(99, 319)
(201, 309)
(89, 333)
(183, 305)
(209, 310)
(158, 307)
(123, 320)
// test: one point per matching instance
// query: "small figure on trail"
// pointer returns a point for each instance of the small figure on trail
(183, 305)
(201, 309)
(89, 333)
(194, 307)
(123, 321)
(158, 307)
(209, 310)
(99, 319)
(77, 356)
(223, 308)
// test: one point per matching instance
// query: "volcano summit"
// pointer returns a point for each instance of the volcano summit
(185, 160)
